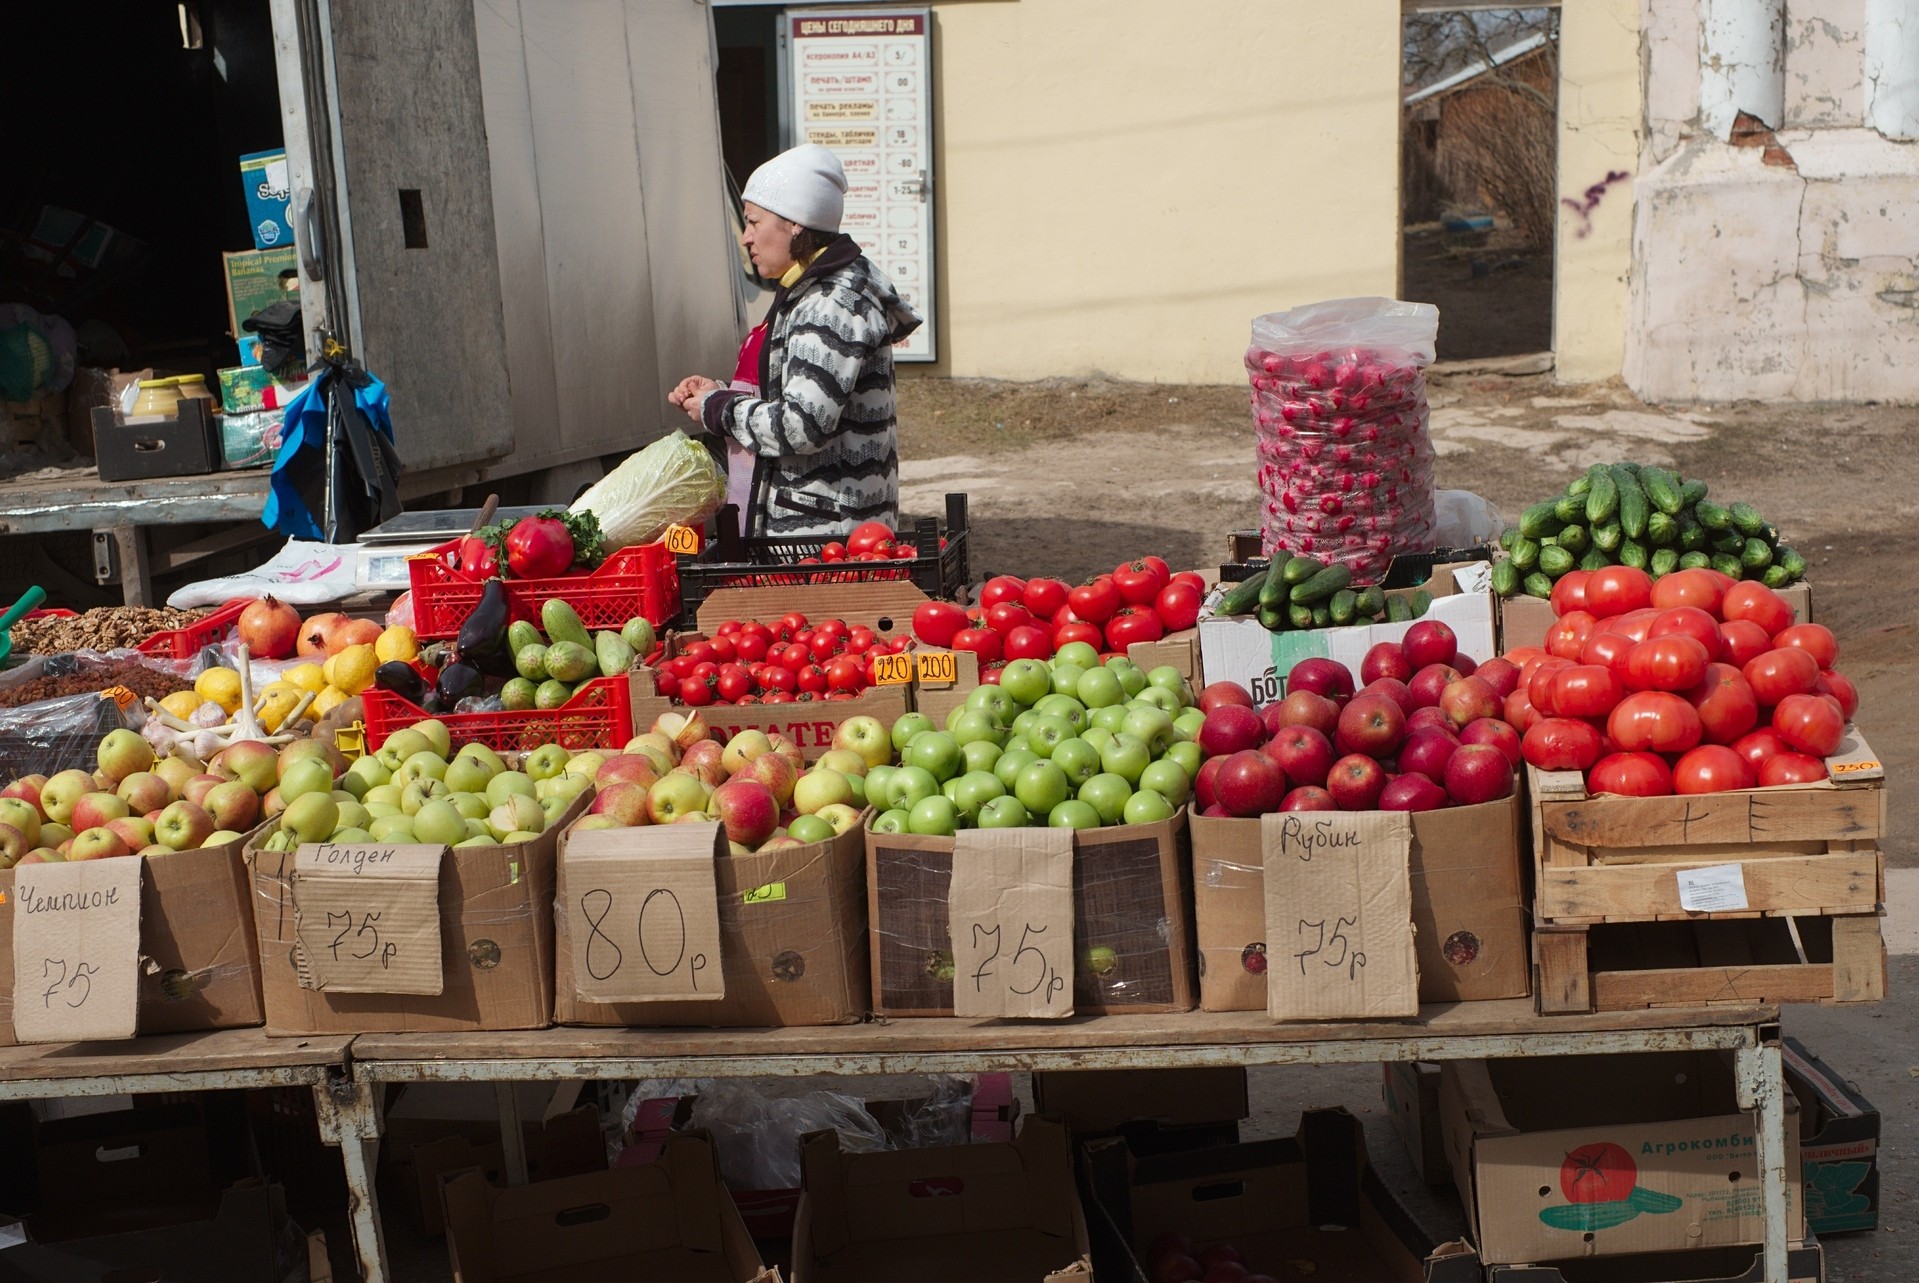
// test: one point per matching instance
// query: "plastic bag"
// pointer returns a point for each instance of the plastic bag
(1463, 519)
(674, 481)
(1339, 404)
(48, 736)
(945, 1117)
(303, 573)
(758, 1136)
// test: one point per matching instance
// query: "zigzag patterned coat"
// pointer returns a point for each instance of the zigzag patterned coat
(822, 425)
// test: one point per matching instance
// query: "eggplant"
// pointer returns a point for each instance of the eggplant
(402, 679)
(458, 679)
(483, 635)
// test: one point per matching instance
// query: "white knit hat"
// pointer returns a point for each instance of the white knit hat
(806, 185)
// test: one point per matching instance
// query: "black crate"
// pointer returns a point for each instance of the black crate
(183, 446)
(1408, 569)
(731, 561)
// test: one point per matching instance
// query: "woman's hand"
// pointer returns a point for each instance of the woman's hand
(690, 391)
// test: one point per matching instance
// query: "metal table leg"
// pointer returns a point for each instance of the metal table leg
(512, 1134)
(349, 1114)
(1762, 1086)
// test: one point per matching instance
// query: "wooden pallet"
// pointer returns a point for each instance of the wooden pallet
(1633, 966)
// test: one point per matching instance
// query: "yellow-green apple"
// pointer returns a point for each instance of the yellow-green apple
(252, 761)
(53, 835)
(438, 738)
(743, 748)
(565, 786)
(353, 815)
(133, 830)
(316, 749)
(366, 774)
(820, 787)
(662, 760)
(845, 761)
(231, 805)
(438, 824)
(628, 768)
(587, 763)
(777, 773)
(473, 806)
(675, 794)
(623, 803)
(466, 774)
(842, 817)
(659, 740)
(420, 792)
(517, 814)
(44, 855)
(544, 762)
(484, 754)
(866, 736)
(424, 765)
(22, 815)
(222, 837)
(152, 849)
(591, 823)
(122, 753)
(13, 845)
(58, 795)
(311, 817)
(786, 748)
(401, 745)
(176, 771)
(507, 784)
(392, 828)
(94, 809)
(98, 844)
(27, 789)
(308, 775)
(748, 809)
(553, 807)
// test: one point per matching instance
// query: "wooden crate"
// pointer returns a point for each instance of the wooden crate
(1807, 849)
(1631, 966)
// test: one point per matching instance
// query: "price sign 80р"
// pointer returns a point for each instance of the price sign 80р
(367, 918)
(641, 913)
(1010, 914)
(76, 950)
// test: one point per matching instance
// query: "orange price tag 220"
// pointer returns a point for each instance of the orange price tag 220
(682, 541)
(892, 670)
(1850, 768)
(938, 666)
(120, 695)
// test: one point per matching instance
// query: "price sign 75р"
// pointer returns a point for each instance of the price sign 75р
(1010, 915)
(367, 918)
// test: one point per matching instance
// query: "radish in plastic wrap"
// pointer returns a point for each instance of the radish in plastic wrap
(1339, 402)
(673, 482)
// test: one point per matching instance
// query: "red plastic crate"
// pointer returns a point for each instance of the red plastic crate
(636, 581)
(600, 716)
(185, 643)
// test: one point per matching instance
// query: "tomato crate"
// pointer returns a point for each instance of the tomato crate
(731, 561)
(599, 716)
(211, 630)
(640, 580)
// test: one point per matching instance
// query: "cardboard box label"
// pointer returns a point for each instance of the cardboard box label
(643, 912)
(1010, 913)
(366, 919)
(1714, 889)
(76, 950)
(1339, 915)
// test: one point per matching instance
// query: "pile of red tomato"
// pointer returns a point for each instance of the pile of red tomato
(1016, 618)
(869, 542)
(1696, 683)
(787, 661)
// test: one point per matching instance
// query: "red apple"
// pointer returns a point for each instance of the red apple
(1429, 718)
(1500, 674)
(1411, 792)
(1429, 681)
(1250, 783)
(1216, 811)
(1229, 729)
(1478, 773)
(1370, 724)
(1203, 783)
(1466, 665)
(1494, 731)
(1426, 753)
(1325, 676)
(1309, 708)
(1393, 689)
(1309, 798)
(1177, 1267)
(1429, 642)
(748, 809)
(1468, 700)
(1170, 1243)
(1303, 753)
(1214, 694)
(1356, 781)
(1387, 659)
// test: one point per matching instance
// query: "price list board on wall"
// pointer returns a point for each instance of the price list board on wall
(861, 84)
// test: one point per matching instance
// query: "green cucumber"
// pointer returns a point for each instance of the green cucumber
(1540, 519)
(1555, 561)
(1579, 487)
(1506, 538)
(1595, 559)
(1602, 500)
(1398, 610)
(1791, 562)
(1322, 585)
(1422, 602)
(1570, 507)
(1273, 619)
(1575, 539)
(1243, 597)
(1371, 603)
(1608, 537)
(1727, 564)
(1662, 490)
(1775, 576)
(1342, 606)
(1747, 519)
(1322, 617)
(1273, 591)
(1635, 554)
(1691, 492)
(1300, 569)
(1692, 535)
(1664, 561)
(1712, 516)
(1662, 530)
(1299, 616)
(1633, 506)
(1756, 555)
(1506, 577)
(1728, 541)
(1694, 560)
(1525, 554)
(1537, 585)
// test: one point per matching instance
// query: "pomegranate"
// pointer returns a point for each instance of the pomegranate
(316, 635)
(270, 629)
(354, 632)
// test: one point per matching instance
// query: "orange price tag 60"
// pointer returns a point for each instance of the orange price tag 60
(682, 541)
(939, 666)
(120, 695)
(892, 670)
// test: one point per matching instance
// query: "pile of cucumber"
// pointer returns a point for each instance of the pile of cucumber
(1631, 514)
(1301, 592)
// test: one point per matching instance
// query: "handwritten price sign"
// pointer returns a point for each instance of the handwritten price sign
(1339, 894)
(642, 913)
(681, 541)
(938, 667)
(1010, 914)
(76, 950)
(367, 918)
(892, 670)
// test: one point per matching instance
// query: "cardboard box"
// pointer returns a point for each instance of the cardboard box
(122, 1169)
(1238, 650)
(569, 1144)
(1525, 621)
(1562, 1157)
(257, 279)
(196, 929)
(1469, 907)
(496, 946)
(792, 927)
(1308, 1205)
(1129, 900)
(250, 440)
(269, 192)
(1805, 1263)
(1838, 1145)
(668, 1220)
(1411, 1096)
(247, 388)
(1100, 1102)
(951, 1214)
(248, 1222)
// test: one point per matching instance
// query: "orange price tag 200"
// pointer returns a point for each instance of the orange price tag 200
(938, 666)
(892, 670)
(120, 695)
(682, 541)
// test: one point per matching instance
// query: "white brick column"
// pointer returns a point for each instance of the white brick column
(1742, 62)
(1892, 67)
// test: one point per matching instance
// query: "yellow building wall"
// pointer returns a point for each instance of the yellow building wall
(1122, 185)
(1600, 111)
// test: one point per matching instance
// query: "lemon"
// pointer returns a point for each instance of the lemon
(308, 677)
(352, 669)
(276, 701)
(397, 642)
(181, 704)
(220, 686)
(326, 701)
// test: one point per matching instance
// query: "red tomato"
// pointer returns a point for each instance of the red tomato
(778, 697)
(1137, 582)
(1758, 603)
(983, 642)
(1001, 588)
(1028, 642)
(1608, 649)
(990, 675)
(1791, 768)
(735, 683)
(846, 674)
(1539, 687)
(1560, 744)
(726, 649)
(676, 668)
(1655, 720)
(1631, 774)
(1810, 723)
(727, 628)
(706, 670)
(754, 628)
(1569, 593)
(867, 536)
(823, 646)
(1586, 690)
(1178, 606)
(1671, 663)
(1760, 746)
(1133, 624)
(1636, 624)
(834, 628)
(1840, 687)
(1519, 711)
(1044, 597)
(1159, 567)
(1523, 655)
(1690, 621)
(1689, 588)
(1744, 640)
(695, 692)
(1095, 600)
(1779, 673)
(1192, 577)
(1711, 768)
(1618, 589)
(935, 622)
(697, 652)
(1727, 707)
(835, 551)
(812, 679)
(1567, 637)
(859, 637)
(790, 625)
(777, 680)
(1079, 631)
(1003, 617)
(1815, 639)
(793, 656)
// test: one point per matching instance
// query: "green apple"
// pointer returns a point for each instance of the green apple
(1012, 762)
(1024, 722)
(378, 810)
(437, 737)
(353, 815)
(893, 821)
(517, 814)
(425, 766)
(1100, 688)
(1186, 723)
(308, 775)
(484, 839)
(401, 745)
(1189, 756)
(1127, 756)
(933, 817)
(1106, 793)
(1168, 678)
(366, 773)
(438, 824)
(1109, 719)
(1147, 807)
(545, 762)
(1158, 697)
(1063, 706)
(1078, 759)
(565, 786)
(381, 794)
(935, 752)
(1078, 654)
(974, 726)
(994, 700)
(467, 775)
(911, 785)
(820, 787)
(1151, 725)
(980, 755)
(879, 784)
(392, 828)
(808, 829)
(1072, 814)
(1066, 677)
(1006, 812)
(472, 805)
(1168, 779)
(1040, 787)
(907, 727)
(311, 817)
(1048, 733)
(354, 834)
(481, 753)
(1131, 679)
(506, 784)
(1099, 737)
(974, 790)
(478, 829)
(858, 784)
(419, 793)
(1027, 681)
(553, 807)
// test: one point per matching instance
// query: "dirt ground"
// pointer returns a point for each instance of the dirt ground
(1494, 299)
(1069, 478)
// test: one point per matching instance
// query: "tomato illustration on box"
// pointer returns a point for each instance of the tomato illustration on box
(1601, 1185)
